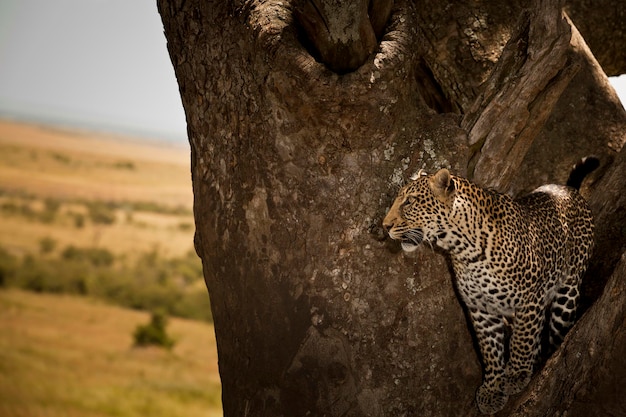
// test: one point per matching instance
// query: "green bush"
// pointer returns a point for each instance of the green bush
(154, 333)
(79, 220)
(153, 207)
(101, 213)
(194, 303)
(10, 207)
(150, 282)
(47, 245)
(94, 256)
(129, 165)
(185, 226)
(8, 267)
(61, 158)
(35, 275)
(50, 211)
(52, 276)
(19, 208)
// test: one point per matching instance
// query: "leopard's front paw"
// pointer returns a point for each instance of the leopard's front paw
(515, 381)
(490, 400)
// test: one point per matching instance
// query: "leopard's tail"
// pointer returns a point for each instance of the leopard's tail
(583, 168)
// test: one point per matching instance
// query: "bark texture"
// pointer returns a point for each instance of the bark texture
(518, 96)
(294, 166)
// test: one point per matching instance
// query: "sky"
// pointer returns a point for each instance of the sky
(97, 64)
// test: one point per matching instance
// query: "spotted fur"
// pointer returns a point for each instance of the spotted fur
(514, 261)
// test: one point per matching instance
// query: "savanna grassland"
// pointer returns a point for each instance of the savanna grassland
(95, 232)
(64, 355)
(127, 196)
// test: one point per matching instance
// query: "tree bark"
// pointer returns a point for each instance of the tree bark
(294, 166)
(529, 77)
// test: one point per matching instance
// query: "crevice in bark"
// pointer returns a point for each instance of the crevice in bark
(430, 90)
(608, 203)
(379, 12)
(342, 35)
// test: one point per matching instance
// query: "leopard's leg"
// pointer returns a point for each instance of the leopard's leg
(563, 309)
(524, 347)
(490, 331)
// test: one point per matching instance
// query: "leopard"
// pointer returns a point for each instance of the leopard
(517, 263)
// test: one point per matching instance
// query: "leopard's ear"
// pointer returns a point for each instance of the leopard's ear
(442, 185)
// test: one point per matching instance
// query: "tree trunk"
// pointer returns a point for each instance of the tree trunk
(294, 166)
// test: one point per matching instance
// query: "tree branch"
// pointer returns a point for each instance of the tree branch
(531, 74)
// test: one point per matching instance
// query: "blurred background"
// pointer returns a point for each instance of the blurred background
(103, 310)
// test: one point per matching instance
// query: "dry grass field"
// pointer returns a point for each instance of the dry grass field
(74, 164)
(67, 195)
(74, 168)
(71, 356)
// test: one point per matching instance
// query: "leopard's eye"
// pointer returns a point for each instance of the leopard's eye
(409, 200)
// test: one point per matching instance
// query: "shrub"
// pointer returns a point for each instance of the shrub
(187, 267)
(101, 213)
(10, 207)
(47, 245)
(61, 158)
(171, 285)
(50, 210)
(79, 220)
(129, 165)
(153, 207)
(35, 276)
(194, 303)
(8, 267)
(185, 226)
(154, 333)
(94, 256)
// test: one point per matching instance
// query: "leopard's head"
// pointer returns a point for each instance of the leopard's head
(420, 211)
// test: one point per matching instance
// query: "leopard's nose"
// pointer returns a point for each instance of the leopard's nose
(387, 225)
